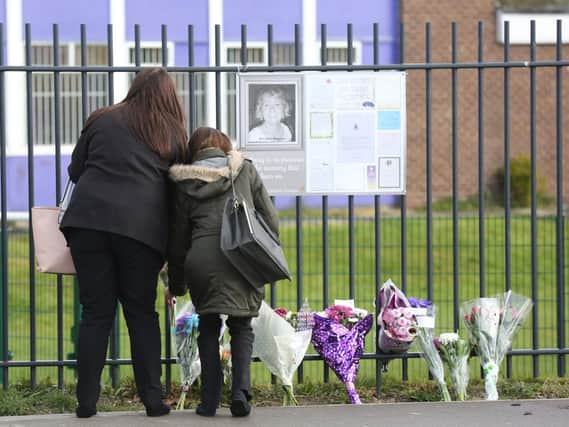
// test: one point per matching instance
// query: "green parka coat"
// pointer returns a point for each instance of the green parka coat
(195, 260)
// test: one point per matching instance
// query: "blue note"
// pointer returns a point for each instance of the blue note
(388, 120)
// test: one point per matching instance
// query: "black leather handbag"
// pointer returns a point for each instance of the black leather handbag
(249, 244)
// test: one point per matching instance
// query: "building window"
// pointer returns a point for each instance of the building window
(148, 55)
(283, 54)
(255, 55)
(337, 53)
(151, 55)
(520, 26)
(182, 80)
(43, 96)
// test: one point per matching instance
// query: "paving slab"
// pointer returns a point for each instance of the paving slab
(518, 413)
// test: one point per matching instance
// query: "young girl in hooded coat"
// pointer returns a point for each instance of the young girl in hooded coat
(196, 263)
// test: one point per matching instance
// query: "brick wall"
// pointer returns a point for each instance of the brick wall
(467, 14)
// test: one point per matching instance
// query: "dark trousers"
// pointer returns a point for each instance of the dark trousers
(112, 268)
(241, 350)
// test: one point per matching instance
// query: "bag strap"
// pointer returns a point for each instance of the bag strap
(64, 202)
(232, 185)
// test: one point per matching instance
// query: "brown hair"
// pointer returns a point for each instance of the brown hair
(205, 137)
(153, 112)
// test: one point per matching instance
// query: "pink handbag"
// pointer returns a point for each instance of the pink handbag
(52, 252)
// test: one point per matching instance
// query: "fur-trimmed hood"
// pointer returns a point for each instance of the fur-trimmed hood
(210, 166)
(208, 175)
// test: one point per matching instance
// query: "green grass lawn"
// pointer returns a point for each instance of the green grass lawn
(308, 275)
(47, 398)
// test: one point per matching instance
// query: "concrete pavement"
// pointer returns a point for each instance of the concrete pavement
(518, 413)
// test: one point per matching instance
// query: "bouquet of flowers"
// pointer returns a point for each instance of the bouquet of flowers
(225, 350)
(338, 336)
(396, 320)
(492, 324)
(454, 352)
(426, 339)
(300, 320)
(280, 347)
(185, 340)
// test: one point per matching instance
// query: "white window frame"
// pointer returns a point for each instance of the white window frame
(520, 27)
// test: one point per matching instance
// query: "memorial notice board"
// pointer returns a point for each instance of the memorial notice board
(325, 132)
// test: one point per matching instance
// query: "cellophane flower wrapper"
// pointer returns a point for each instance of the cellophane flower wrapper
(225, 350)
(280, 347)
(342, 348)
(425, 339)
(454, 352)
(185, 340)
(299, 320)
(396, 321)
(492, 324)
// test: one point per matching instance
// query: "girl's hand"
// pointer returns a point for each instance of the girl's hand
(170, 298)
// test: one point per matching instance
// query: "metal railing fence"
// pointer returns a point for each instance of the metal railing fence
(335, 252)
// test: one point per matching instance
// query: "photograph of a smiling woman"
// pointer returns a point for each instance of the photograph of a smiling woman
(272, 114)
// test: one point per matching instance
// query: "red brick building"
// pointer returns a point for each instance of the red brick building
(466, 14)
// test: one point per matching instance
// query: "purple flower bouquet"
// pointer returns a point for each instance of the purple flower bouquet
(340, 342)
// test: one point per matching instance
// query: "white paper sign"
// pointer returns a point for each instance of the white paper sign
(389, 172)
(426, 322)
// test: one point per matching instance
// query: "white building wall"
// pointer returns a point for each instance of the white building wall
(15, 82)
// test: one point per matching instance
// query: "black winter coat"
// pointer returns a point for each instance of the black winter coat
(195, 260)
(121, 185)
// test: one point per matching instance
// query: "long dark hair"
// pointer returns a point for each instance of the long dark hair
(153, 112)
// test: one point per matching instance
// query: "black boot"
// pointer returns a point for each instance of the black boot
(157, 410)
(211, 375)
(205, 411)
(241, 348)
(85, 412)
(240, 406)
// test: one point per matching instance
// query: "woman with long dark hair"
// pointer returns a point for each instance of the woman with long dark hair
(116, 226)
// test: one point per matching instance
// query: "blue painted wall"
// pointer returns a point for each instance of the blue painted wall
(177, 15)
(44, 181)
(257, 14)
(69, 15)
(362, 14)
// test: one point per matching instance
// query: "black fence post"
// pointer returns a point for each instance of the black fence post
(74, 330)
(2, 343)
(31, 200)
(560, 240)
(3, 228)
